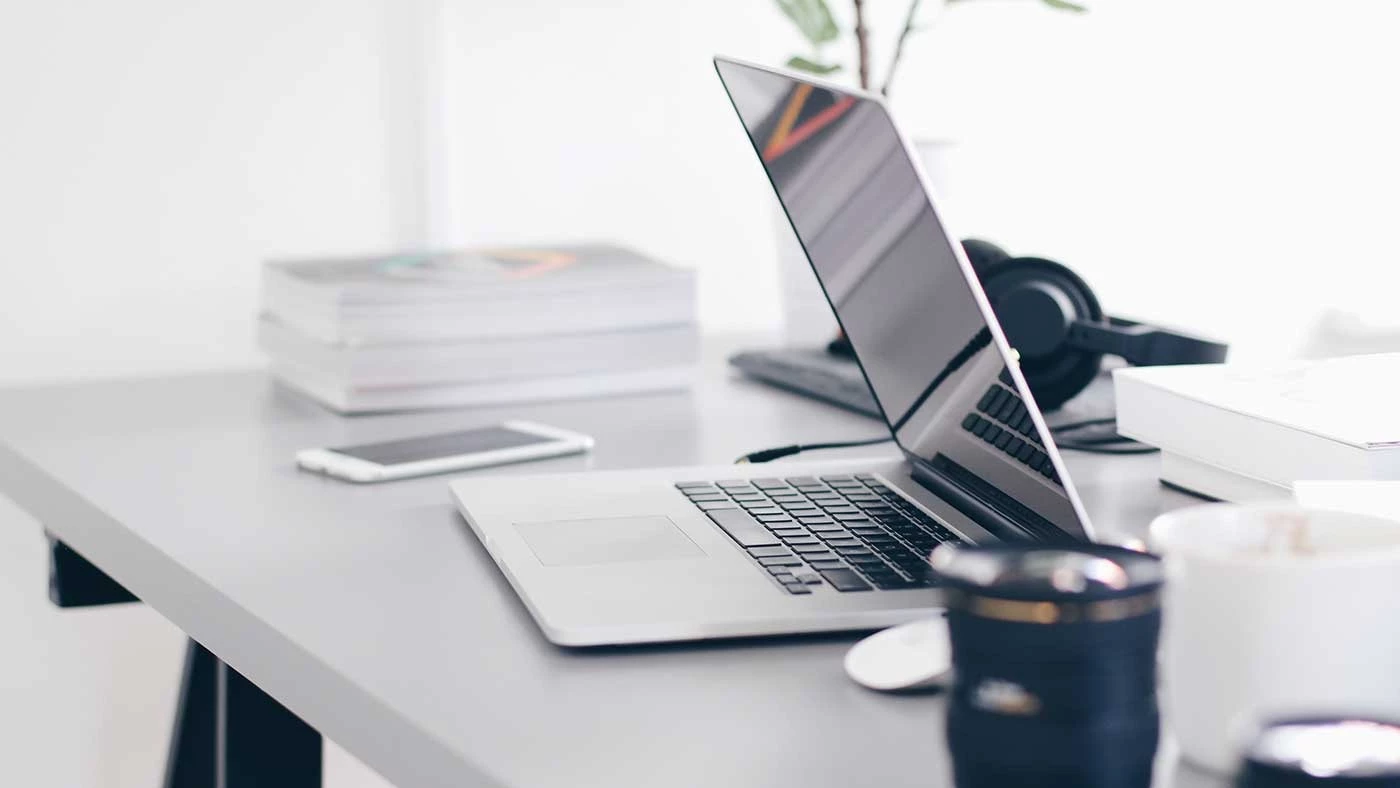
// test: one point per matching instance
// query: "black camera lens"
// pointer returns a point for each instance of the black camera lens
(1054, 662)
(1323, 752)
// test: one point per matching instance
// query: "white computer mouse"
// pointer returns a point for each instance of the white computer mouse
(906, 657)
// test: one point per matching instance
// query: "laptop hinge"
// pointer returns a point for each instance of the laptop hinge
(979, 512)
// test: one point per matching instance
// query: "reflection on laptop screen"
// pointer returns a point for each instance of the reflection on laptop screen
(860, 211)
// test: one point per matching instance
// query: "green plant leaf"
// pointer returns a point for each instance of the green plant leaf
(813, 19)
(1065, 5)
(811, 66)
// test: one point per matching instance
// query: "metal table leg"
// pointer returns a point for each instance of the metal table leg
(230, 734)
(227, 732)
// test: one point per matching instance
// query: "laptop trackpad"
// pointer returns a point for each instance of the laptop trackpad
(607, 540)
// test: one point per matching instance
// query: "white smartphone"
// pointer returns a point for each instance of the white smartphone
(511, 441)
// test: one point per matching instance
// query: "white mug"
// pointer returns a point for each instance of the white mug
(1274, 611)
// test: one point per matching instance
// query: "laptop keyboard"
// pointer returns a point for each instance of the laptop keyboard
(851, 533)
(1001, 420)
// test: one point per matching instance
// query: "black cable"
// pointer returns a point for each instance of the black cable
(1107, 444)
(1091, 449)
(768, 455)
(1077, 425)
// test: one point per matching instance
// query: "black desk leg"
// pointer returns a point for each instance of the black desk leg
(230, 734)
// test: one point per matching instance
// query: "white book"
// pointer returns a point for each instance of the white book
(466, 275)
(456, 395)
(1266, 425)
(636, 307)
(421, 363)
(1209, 481)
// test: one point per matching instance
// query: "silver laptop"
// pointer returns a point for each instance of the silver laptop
(800, 547)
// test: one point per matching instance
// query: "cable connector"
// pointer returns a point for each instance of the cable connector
(768, 455)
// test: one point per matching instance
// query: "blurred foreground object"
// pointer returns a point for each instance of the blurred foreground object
(1054, 663)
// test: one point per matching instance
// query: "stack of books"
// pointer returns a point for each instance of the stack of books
(1237, 432)
(478, 327)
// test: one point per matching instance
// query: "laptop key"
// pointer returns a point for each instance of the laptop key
(825, 563)
(844, 579)
(701, 492)
(797, 588)
(776, 551)
(695, 485)
(778, 562)
(895, 583)
(711, 506)
(742, 528)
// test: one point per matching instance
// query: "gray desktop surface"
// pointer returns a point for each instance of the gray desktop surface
(373, 613)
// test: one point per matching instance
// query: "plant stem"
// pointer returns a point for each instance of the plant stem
(862, 45)
(899, 44)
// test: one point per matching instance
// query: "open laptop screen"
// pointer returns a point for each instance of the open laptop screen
(860, 210)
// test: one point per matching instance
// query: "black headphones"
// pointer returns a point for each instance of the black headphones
(1055, 323)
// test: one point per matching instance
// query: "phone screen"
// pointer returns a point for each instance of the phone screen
(434, 447)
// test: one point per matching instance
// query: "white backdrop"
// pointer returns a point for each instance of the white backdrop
(1228, 167)
(1225, 166)
(154, 151)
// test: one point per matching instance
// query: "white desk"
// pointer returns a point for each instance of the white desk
(374, 615)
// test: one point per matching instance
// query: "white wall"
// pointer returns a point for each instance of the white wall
(597, 120)
(1223, 166)
(1237, 157)
(154, 151)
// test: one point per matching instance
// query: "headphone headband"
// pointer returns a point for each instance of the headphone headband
(1144, 345)
(1052, 317)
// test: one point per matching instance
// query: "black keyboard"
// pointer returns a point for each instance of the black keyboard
(1001, 420)
(851, 533)
(812, 372)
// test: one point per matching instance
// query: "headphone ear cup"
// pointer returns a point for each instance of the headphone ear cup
(1036, 301)
(984, 256)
